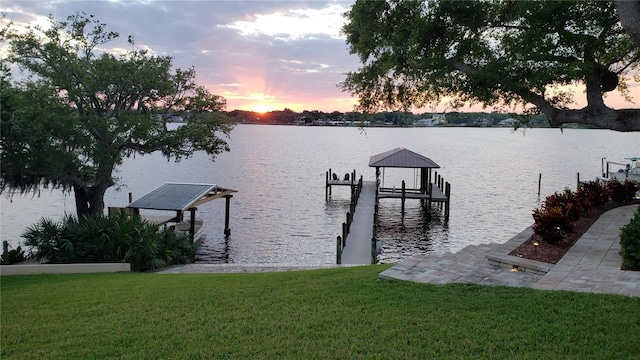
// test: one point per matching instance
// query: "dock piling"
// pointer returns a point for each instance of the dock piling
(539, 182)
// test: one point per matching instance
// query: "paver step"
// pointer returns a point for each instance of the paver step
(522, 264)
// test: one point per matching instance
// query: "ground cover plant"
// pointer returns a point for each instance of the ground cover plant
(342, 313)
(113, 238)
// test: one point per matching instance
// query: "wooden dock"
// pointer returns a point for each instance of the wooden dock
(357, 243)
(332, 179)
(359, 246)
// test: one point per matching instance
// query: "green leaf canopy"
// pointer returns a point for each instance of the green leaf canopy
(498, 53)
(83, 110)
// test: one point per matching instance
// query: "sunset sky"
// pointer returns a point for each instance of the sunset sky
(259, 55)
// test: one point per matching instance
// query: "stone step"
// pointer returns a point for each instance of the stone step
(521, 264)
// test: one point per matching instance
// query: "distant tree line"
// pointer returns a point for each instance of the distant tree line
(384, 118)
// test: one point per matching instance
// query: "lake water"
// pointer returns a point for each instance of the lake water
(279, 214)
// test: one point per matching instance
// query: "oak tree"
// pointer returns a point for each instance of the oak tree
(498, 53)
(82, 110)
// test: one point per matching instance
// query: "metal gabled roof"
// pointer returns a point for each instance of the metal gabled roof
(179, 196)
(402, 158)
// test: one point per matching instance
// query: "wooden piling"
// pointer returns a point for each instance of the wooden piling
(403, 196)
(578, 181)
(447, 192)
(344, 234)
(227, 229)
(374, 250)
(338, 250)
(539, 182)
(430, 195)
(326, 186)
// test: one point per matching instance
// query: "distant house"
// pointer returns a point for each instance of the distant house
(439, 119)
(335, 123)
(509, 122)
(435, 120)
(423, 123)
(481, 122)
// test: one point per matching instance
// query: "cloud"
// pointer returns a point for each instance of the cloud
(293, 24)
(290, 52)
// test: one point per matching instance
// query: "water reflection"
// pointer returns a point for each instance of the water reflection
(215, 251)
(280, 215)
(418, 231)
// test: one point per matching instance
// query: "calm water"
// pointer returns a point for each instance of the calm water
(279, 214)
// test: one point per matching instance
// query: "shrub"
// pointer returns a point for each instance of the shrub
(567, 202)
(117, 238)
(622, 191)
(596, 193)
(551, 223)
(630, 243)
(13, 256)
(51, 241)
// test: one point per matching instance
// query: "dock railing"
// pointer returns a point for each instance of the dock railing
(341, 240)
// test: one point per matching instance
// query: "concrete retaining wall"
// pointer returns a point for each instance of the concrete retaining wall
(33, 269)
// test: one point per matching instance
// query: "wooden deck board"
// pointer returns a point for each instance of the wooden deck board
(359, 247)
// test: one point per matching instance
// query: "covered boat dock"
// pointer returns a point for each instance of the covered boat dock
(181, 198)
(358, 243)
(432, 188)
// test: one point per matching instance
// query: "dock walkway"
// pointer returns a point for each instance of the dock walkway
(358, 248)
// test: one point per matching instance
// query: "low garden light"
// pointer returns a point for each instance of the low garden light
(535, 246)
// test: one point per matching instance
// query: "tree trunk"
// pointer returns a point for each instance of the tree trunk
(89, 200)
(629, 14)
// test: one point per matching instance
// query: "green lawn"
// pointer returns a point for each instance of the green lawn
(326, 314)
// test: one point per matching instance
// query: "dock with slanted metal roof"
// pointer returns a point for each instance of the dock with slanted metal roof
(181, 198)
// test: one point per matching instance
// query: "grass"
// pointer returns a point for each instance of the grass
(334, 313)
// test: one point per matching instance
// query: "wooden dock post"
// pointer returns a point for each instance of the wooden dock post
(327, 189)
(374, 250)
(326, 186)
(344, 234)
(227, 230)
(578, 181)
(403, 197)
(539, 182)
(338, 250)
(447, 192)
